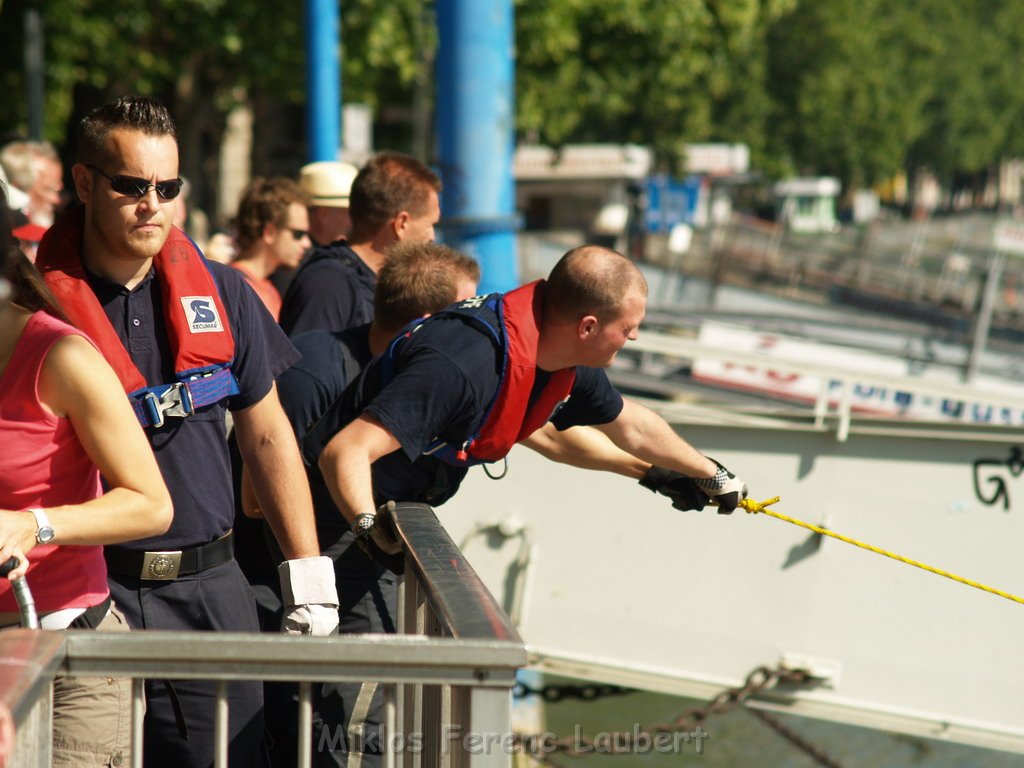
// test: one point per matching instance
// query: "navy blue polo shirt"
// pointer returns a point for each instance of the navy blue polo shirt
(192, 453)
(332, 291)
(329, 362)
(307, 389)
(446, 374)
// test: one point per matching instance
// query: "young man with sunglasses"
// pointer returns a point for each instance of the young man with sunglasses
(189, 340)
(271, 231)
(394, 199)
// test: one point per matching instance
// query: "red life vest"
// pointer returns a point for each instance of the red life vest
(509, 416)
(512, 418)
(197, 324)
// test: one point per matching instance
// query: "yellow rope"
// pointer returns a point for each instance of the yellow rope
(755, 507)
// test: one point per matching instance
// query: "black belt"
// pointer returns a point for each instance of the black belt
(91, 617)
(169, 565)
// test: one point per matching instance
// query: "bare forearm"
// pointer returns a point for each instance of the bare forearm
(117, 516)
(346, 471)
(586, 448)
(282, 491)
(644, 434)
(346, 461)
(250, 506)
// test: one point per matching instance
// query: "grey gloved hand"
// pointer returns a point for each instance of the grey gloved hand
(375, 535)
(682, 490)
(310, 596)
(724, 488)
(383, 531)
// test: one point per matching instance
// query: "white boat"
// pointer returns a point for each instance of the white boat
(609, 583)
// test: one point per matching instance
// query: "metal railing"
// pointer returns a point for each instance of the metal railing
(451, 668)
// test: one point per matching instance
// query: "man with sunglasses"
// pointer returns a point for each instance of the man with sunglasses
(271, 231)
(394, 199)
(189, 340)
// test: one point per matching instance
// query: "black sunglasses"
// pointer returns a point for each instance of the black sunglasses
(133, 186)
(298, 234)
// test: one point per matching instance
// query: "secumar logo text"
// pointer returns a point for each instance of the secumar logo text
(201, 314)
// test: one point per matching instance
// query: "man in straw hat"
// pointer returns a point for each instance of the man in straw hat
(328, 184)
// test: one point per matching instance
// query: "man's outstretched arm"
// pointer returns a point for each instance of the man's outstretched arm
(589, 448)
(643, 433)
(346, 460)
(586, 448)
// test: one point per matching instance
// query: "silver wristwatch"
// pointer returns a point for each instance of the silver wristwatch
(363, 524)
(44, 531)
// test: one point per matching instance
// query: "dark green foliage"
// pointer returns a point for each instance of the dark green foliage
(861, 89)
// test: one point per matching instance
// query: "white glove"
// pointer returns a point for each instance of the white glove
(310, 596)
(723, 487)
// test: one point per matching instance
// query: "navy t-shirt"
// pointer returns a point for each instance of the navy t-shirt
(333, 291)
(446, 374)
(192, 453)
(329, 362)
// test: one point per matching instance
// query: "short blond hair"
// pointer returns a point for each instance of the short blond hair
(419, 279)
(591, 280)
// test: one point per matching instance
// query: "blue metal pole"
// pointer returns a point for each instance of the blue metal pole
(323, 79)
(475, 128)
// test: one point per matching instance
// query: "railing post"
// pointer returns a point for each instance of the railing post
(305, 756)
(845, 409)
(411, 621)
(481, 727)
(821, 403)
(220, 726)
(33, 747)
(138, 712)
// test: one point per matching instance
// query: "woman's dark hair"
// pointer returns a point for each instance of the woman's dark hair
(28, 289)
(6, 237)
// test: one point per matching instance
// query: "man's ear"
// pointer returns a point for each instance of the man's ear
(587, 327)
(399, 224)
(269, 233)
(82, 179)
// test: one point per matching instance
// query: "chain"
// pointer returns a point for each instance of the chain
(689, 722)
(794, 738)
(555, 693)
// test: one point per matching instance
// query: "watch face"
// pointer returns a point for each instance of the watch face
(44, 535)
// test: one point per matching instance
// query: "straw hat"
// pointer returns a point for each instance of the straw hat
(328, 182)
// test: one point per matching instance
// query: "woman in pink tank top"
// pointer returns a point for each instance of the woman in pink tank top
(64, 423)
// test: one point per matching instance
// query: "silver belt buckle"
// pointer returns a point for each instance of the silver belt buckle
(160, 566)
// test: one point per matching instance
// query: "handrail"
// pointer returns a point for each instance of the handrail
(29, 660)
(265, 656)
(472, 666)
(452, 588)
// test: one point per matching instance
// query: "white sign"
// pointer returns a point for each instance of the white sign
(1009, 237)
(805, 388)
(721, 159)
